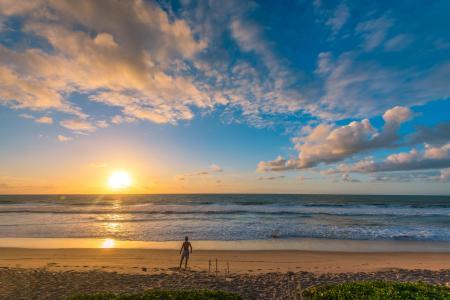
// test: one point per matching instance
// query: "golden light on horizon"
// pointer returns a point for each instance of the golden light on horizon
(108, 243)
(119, 180)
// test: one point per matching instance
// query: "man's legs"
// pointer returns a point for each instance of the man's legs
(181, 260)
(186, 262)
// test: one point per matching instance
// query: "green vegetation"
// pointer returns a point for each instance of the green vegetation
(162, 295)
(378, 290)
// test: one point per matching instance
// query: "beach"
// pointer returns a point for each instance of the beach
(241, 262)
(265, 246)
(59, 273)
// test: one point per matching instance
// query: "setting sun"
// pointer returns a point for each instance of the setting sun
(108, 243)
(119, 180)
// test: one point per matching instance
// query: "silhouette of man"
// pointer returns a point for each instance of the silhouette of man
(184, 251)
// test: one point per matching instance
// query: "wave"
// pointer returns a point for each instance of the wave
(301, 210)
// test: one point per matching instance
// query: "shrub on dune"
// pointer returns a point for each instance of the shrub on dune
(162, 295)
(377, 290)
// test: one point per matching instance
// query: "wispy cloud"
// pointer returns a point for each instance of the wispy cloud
(398, 42)
(412, 176)
(78, 125)
(271, 177)
(160, 66)
(374, 31)
(63, 138)
(339, 18)
(44, 120)
(213, 169)
(102, 124)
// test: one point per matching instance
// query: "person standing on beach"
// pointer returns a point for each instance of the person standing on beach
(184, 251)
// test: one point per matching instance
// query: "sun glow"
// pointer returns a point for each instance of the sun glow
(119, 180)
(108, 243)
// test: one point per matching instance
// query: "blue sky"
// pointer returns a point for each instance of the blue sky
(225, 96)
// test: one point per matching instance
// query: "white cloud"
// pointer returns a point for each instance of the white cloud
(398, 42)
(102, 124)
(433, 157)
(445, 175)
(27, 116)
(271, 177)
(426, 176)
(347, 178)
(328, 144)
(78, 125)
(374, 31)
(360, 88)
(63, 138)
(339, 18)
(161, 67)
(213, 169)
(278, 164)
(44, 120)
(129, 57)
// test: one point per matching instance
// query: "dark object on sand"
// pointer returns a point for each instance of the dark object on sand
(144, 269)
(163, 295)
(378, 289)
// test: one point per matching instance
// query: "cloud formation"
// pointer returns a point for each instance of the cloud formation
(339, 18)
(329, 144)
(432, 157)
(63, 138)
(374, 31)
(78, 125)
(213, 169)
(161, 64)
(404, 177)
(123, 53)
(355, 87)
(44, 120)
(271, 177)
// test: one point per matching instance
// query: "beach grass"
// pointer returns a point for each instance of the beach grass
(162, 295)
(378, 289)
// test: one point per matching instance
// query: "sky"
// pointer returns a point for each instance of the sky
(225, 96)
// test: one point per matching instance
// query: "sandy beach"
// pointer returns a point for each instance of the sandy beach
(133, 260)
(59, 273)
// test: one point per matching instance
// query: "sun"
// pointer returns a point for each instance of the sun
(108, 243)
(119, 180)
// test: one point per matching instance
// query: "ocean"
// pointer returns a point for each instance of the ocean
(226, 217)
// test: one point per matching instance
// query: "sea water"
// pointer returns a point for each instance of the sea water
(226, 217)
